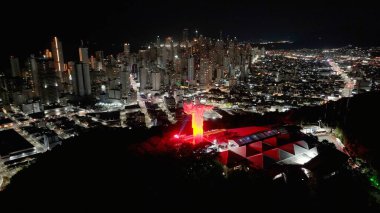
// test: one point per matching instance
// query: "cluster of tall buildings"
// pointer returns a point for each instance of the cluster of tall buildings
(197, 62)
(47, 78)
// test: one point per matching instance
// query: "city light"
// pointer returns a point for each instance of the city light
(259, 103)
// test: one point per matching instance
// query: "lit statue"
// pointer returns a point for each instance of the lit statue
(196, 110)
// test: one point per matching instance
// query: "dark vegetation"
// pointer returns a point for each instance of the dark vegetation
(357, 118)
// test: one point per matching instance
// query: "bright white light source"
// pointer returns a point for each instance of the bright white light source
(278, 176)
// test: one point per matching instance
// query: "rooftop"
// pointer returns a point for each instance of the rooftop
(11, 141)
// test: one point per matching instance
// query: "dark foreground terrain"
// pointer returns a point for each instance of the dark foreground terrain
(116, 169)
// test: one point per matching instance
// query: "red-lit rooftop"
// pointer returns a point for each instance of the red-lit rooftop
(258, 147)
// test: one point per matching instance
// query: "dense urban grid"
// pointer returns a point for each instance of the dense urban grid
(46, 100)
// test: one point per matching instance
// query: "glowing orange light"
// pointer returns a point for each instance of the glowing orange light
(196, 111)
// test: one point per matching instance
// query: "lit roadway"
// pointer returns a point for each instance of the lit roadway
(29, 138)
(39, 147)
(349, 84)
(141, 103)
(163, 107)
(16, 126)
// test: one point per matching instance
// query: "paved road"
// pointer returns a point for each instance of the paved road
(332, 139)
(349, 84)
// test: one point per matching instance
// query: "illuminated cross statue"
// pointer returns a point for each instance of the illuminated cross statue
(196, 110)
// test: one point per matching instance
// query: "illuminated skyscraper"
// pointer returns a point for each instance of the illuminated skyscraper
(81, 80)
(156, 81)
(99, 56)
(48, 81)
(48, 54)
(167, 52)
(71, 73)
(35, 76)
(158, 41)
(126, 49)
(83, 55)
(205, 72)
(190, 70)
(57, 52)
(93, 62)
(15, 67)
(219, 48)
(124, 79)
(78, 85)
(143, 78)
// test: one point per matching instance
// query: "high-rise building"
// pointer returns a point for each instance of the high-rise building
(168, 53)
(219, 73)
(93, 62)
(124, 79)
(71, 73)
(126, 49)
(48, 54)
(205, 72)
(78, 84)
(143, 78)
(35, 76)
(219, 48)
(156, 81)
(4, 93)
(228, 66)
(185, 35)
(83, 55)
(190, 70)
(48, 81)
(81, 80)
(158, 41)
(15, 66)
(57, 52)
(86, 79)
(99, 55)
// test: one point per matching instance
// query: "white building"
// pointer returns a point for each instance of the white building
(156, 81)
(83, 55)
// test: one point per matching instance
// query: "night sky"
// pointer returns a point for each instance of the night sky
(27, 27)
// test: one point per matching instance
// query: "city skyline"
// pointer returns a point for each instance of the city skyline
(190, 106)
(324, 24)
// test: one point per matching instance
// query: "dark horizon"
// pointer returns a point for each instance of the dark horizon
(323, 24)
